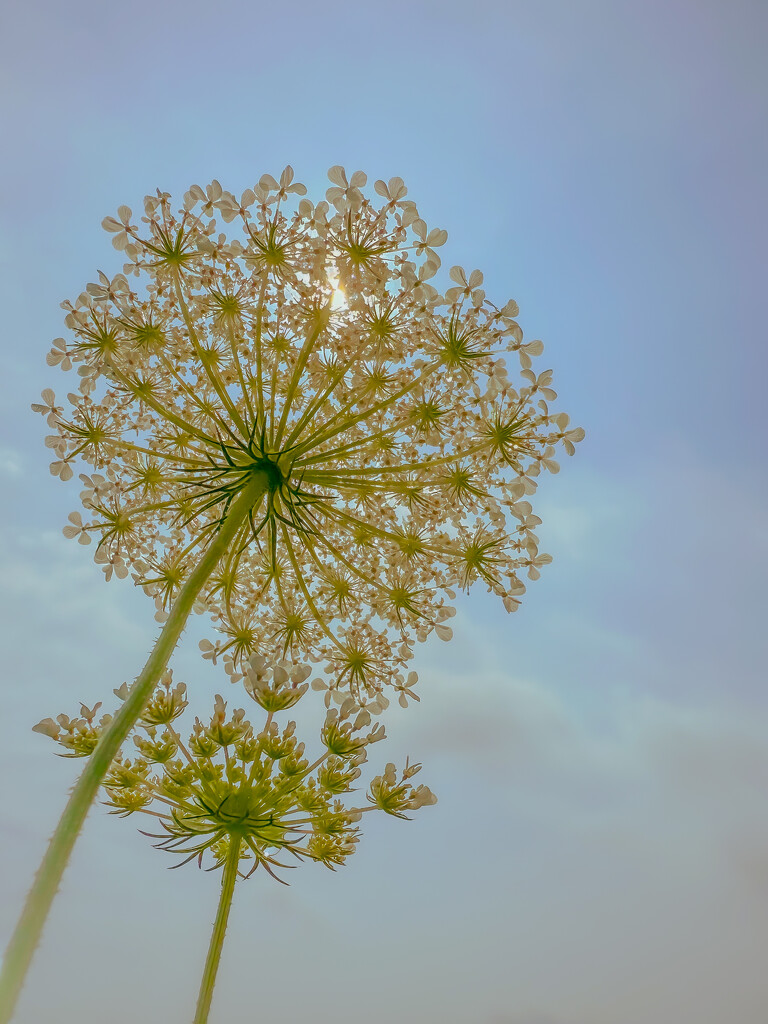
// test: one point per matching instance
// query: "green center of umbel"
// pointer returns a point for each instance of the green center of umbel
(276, 465)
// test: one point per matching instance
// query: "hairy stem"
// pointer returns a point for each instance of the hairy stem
(27, 934)
(219, 930)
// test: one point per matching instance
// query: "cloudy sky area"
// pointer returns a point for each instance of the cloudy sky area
(599, 854)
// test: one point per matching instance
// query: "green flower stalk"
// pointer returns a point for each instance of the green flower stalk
(241, 797)
(288, 427)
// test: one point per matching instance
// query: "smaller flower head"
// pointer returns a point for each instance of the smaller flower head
(229, 780)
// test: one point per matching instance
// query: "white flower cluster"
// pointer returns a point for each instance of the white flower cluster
(309, 345)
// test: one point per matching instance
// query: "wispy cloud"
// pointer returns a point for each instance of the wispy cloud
(10, 462)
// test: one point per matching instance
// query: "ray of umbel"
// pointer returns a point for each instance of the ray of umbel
(290, 428)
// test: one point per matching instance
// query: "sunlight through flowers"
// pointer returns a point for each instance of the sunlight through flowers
(288, 426)
(307, 347)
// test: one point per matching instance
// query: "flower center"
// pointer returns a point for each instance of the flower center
(276, 465)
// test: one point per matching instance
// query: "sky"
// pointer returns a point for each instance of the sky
(599, 851)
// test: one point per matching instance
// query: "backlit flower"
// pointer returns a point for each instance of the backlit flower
(231, 781)
(308, 347)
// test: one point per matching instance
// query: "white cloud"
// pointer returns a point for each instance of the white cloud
(10, 462)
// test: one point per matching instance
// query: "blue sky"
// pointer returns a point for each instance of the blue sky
(599, 854)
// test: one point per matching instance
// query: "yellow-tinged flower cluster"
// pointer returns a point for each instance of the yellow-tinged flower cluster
(229, 781)
(309, 346)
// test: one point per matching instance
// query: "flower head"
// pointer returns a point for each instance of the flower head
(307, 345)
(230, 780)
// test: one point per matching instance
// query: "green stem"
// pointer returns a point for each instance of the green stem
(27, 934)
(219, 930)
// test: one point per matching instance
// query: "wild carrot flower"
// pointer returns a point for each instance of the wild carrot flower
(307, 345)
(242, 797)
(230, 779)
